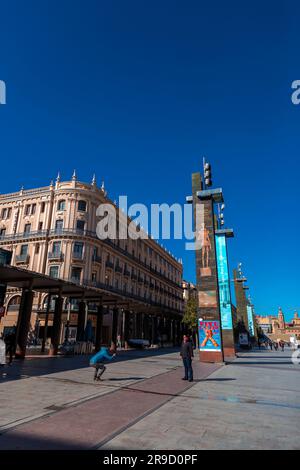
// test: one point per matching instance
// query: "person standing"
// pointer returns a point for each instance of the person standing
(281, 344)
(187, 354)
(2, 352)
(10, 341)
(271, 345)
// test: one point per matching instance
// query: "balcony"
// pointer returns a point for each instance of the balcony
(97, 259)
(22, 259)
(24, 235)
(126, 273)
(56, 256)
(118, 269)
(109, 264)
(133, 276)
(77, 255)
(140, 280)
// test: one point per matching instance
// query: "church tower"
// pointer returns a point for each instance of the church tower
(281, 319)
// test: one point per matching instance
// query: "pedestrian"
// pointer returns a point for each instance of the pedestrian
(281, 344)
(10, 341)
(258, 344)
(99, 359)
(187, 354)
(275, 345)
(271, 345)
(2, 352)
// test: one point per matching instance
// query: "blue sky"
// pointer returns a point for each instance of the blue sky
(138, 92)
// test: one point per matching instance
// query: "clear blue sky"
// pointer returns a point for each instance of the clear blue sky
(139, 91)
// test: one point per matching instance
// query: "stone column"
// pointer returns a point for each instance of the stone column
(80, 321)
(99, 327)
(56, 329)
(114, 331)
(126, 327)
(23, 322)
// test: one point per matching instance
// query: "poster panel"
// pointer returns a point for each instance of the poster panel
(250, 320)
(209, 335)
(224, 286)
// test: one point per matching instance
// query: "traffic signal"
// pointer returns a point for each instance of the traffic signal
(207, 175)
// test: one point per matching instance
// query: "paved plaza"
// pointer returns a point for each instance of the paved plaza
(53, 403)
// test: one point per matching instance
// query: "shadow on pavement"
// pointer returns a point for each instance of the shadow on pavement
(39, 366)
(216, 380)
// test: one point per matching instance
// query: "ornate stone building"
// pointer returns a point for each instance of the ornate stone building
(52, 230)
(275, 327)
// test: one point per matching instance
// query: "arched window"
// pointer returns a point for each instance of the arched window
(14, 303)
(61, 205)
(82, 206)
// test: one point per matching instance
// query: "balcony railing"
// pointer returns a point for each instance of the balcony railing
(90, 234)
(22, 259)
(124, 293)
(56, 255)
(109, 264)
(23, 235)
(77, 255)
(126, 273)
(118, 268)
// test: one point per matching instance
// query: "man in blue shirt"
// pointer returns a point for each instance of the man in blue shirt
(97, 361)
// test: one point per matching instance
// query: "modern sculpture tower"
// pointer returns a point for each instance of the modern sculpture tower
(215, 325)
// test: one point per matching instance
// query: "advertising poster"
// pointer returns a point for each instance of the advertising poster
(209, 335)
(224, 286)
(250, 320)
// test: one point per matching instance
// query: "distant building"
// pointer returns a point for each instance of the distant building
(276, 327)
(189, 291)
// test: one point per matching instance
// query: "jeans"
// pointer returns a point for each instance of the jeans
(99, 370)
(188, 370)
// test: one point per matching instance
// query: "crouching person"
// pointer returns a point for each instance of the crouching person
(99, 359)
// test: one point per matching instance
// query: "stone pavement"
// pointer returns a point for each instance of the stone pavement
(252, 403)
(52, 403)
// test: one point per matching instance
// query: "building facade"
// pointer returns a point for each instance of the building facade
(275, 327)
(52, 230)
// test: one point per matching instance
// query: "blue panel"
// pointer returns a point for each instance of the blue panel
(224, 286)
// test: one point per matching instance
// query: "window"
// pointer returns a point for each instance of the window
(33, 208)
(42, 207)
(6, 213)
(80, 225)
(56, 247)
(40, 226)
(59, 225)
(24, 250)
(78, 249)
(76, 274)
(95, 252)
(27, 209)
(27, 228)
(37, 248)
(2, 232)
(94, 277)
(82, 206)
(61, 205)
(53, 271)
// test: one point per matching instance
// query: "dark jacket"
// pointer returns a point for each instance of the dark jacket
(186, 351)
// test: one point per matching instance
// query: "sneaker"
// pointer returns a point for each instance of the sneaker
(183, 378)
